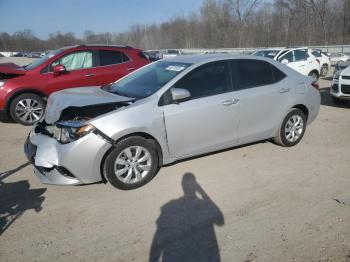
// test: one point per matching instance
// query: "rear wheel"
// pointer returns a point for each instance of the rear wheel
(132, 163)
(292, 128)
(314, 75)
(27, 109)
(324, 70)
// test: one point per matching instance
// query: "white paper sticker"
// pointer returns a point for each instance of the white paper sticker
(175, 68)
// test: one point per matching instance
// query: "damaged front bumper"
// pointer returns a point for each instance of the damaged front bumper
(78, 162)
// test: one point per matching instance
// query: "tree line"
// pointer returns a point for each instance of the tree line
(218, 24)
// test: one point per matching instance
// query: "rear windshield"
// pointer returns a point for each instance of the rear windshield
(43, 59)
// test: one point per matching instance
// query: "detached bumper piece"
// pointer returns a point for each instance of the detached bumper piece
(56, 175)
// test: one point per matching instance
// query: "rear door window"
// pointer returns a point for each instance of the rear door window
(300, 55)
(109, 57)
(253, 73)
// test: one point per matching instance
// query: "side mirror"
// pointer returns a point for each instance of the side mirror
(284, 61)
(59, 69)
(178, 94)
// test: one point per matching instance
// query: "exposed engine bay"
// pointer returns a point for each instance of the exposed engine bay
(73, 121)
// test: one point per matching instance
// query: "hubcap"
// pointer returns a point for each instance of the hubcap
(133, 164)
(29, 110)
(294, 128)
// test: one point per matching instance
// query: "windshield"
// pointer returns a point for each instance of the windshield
(266, 53)
(43, 59)
(148, 80)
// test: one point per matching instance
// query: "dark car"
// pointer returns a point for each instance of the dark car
(23, 90)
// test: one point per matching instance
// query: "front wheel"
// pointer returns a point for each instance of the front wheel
(27, 109)
(292, 128)
(132, 163)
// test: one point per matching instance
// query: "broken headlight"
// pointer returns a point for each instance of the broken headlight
(68, 134)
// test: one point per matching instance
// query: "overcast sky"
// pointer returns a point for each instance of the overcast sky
(47, 16)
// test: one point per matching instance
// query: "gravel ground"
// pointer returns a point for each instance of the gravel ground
(259, 202)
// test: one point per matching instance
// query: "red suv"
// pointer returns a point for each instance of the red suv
(23, 90)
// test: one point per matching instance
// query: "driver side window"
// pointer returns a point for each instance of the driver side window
(289, 56)
(74, 61)
(207, 80)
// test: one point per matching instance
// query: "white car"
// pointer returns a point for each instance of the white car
(324, 61)
(340, 89)
(171, 53)
(339, 57)
(300, 59)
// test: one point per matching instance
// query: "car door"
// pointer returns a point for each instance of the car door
(208, 120)
(113, 65)
(298, 60)
(263, 94)
(81, 71)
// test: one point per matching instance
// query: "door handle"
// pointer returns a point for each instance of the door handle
(231, 101)
(89, 75)
(284, 90)
(131, 69)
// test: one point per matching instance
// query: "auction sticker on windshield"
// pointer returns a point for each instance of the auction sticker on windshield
(175, 68)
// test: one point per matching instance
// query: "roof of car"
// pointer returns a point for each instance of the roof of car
(201, 58)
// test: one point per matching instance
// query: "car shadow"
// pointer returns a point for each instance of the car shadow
(16, 198)
(326, 99)
(185, 227)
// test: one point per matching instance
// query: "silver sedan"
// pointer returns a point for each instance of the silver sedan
(166, 111)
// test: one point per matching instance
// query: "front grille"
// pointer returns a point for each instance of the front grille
(335, 88)
(345, 89)
(64, 171)
(345, 77)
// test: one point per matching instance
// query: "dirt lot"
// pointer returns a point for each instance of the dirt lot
(262, 202)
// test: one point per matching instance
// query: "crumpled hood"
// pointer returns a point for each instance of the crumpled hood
(78, 97)
(11, 68)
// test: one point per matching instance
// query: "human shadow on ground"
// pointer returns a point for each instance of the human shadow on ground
(185, 227)
(16, 198)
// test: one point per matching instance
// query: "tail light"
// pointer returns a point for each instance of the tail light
(318, 61)
(315, 85)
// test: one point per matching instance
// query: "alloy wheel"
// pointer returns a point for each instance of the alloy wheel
(133, 164)
(29, 110)
(294, 128)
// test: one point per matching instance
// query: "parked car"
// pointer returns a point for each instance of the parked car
(166, 111)
(323, 60)
(154, 55)
(23, 90)
(340, 89)
(336, 57)
(300, 59)
(19, 54)
(171, 53)
(34, 55)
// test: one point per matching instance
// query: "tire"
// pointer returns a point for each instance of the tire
(131, 173)
(338, 101)
(287, 138)
(314, 75)
(324, 70)
(27, 109)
